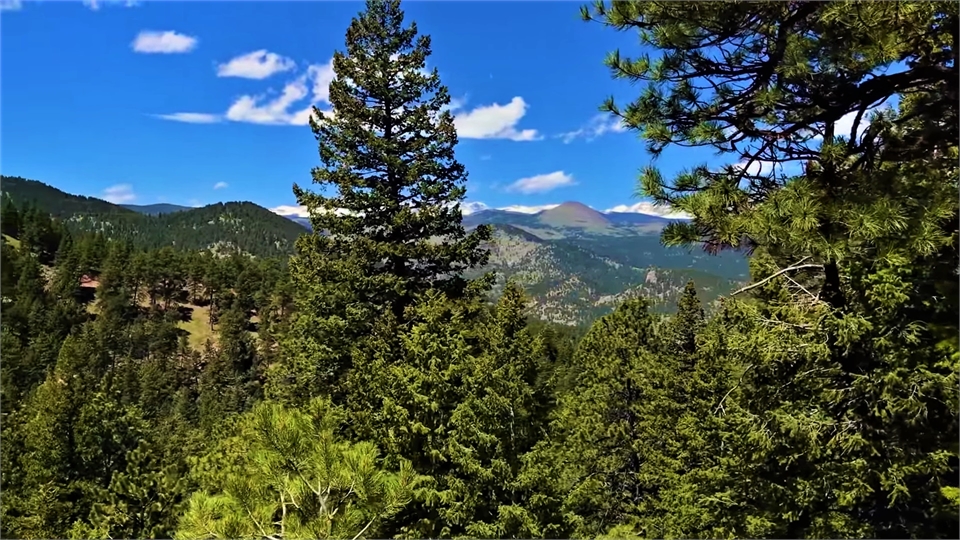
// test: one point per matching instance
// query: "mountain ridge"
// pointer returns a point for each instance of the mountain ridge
(575, 263)
(232, 226)
(155, 209)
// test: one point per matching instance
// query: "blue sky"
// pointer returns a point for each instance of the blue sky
(197, 102)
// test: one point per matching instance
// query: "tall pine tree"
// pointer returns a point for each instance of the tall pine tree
(393, 228)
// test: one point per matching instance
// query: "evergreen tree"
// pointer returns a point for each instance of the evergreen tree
(394, 227)
(833, 346)
(9, 266)
(229, 384)
(10, 218)
(606, 452)
(283, 473)
(456, 395)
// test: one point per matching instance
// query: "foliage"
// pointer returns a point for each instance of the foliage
(284, 474)
(818, 400)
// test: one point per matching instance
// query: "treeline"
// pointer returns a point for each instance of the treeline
(821, 400)
(109, 415)
(232, 227)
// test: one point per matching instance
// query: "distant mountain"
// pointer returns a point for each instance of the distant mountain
(574, 215)
(156, 209)
(636, 218)
(578, 263)
(572, 282)
(223, 227)
(571, 219)
(575, 263)
(302, 221)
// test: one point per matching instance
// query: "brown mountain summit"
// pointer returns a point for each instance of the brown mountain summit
(574, 214)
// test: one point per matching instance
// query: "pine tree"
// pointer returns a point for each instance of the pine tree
(455, 395)
(604, 455)
(834, 345)
(283, 473)
(144, 500)
(388, 149)
(10, 218)
(687, 322)
(393, 229)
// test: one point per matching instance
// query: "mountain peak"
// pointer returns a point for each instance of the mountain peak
(575, 204)
(574, 214)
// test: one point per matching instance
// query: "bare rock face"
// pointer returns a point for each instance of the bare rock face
(651, 277)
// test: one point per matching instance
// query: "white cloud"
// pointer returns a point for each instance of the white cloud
(649, 209)
(765, 168)
(301, 211)
(597, 126)
(256, 65)
(169, 42)
(119, 194)
(290, 210)
(521, 209)
(194, 203)
(220, 185)
(494, 122)
(472, 207)
(542, 182)
(259, 110)
(192, 118)
(94, 5)
(281, 109)
(758, 167)
(844, 126)
(10, 5)
(322, 76)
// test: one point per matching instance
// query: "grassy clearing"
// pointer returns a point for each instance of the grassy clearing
(198, 327)
(12, 241)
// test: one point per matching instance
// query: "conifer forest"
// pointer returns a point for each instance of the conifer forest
(359, 380)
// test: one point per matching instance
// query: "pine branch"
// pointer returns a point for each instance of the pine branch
(775, 274)
(719, 406)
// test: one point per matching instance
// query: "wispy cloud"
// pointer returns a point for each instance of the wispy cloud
(274, 111)
(649, 209)
(300, 211)
(119, 194)
(191, 118)
(10, 5)
(597, 126)
(96, 4)
(542, 183)
(493, 121)
(293, 106)
(167, 42)
(523, 209)
(256, 65)
(220, 185)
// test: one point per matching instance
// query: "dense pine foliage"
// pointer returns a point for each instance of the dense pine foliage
(366, 388)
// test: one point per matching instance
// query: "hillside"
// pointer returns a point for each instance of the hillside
(53, 201)
(572, 284)
(221, 227)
